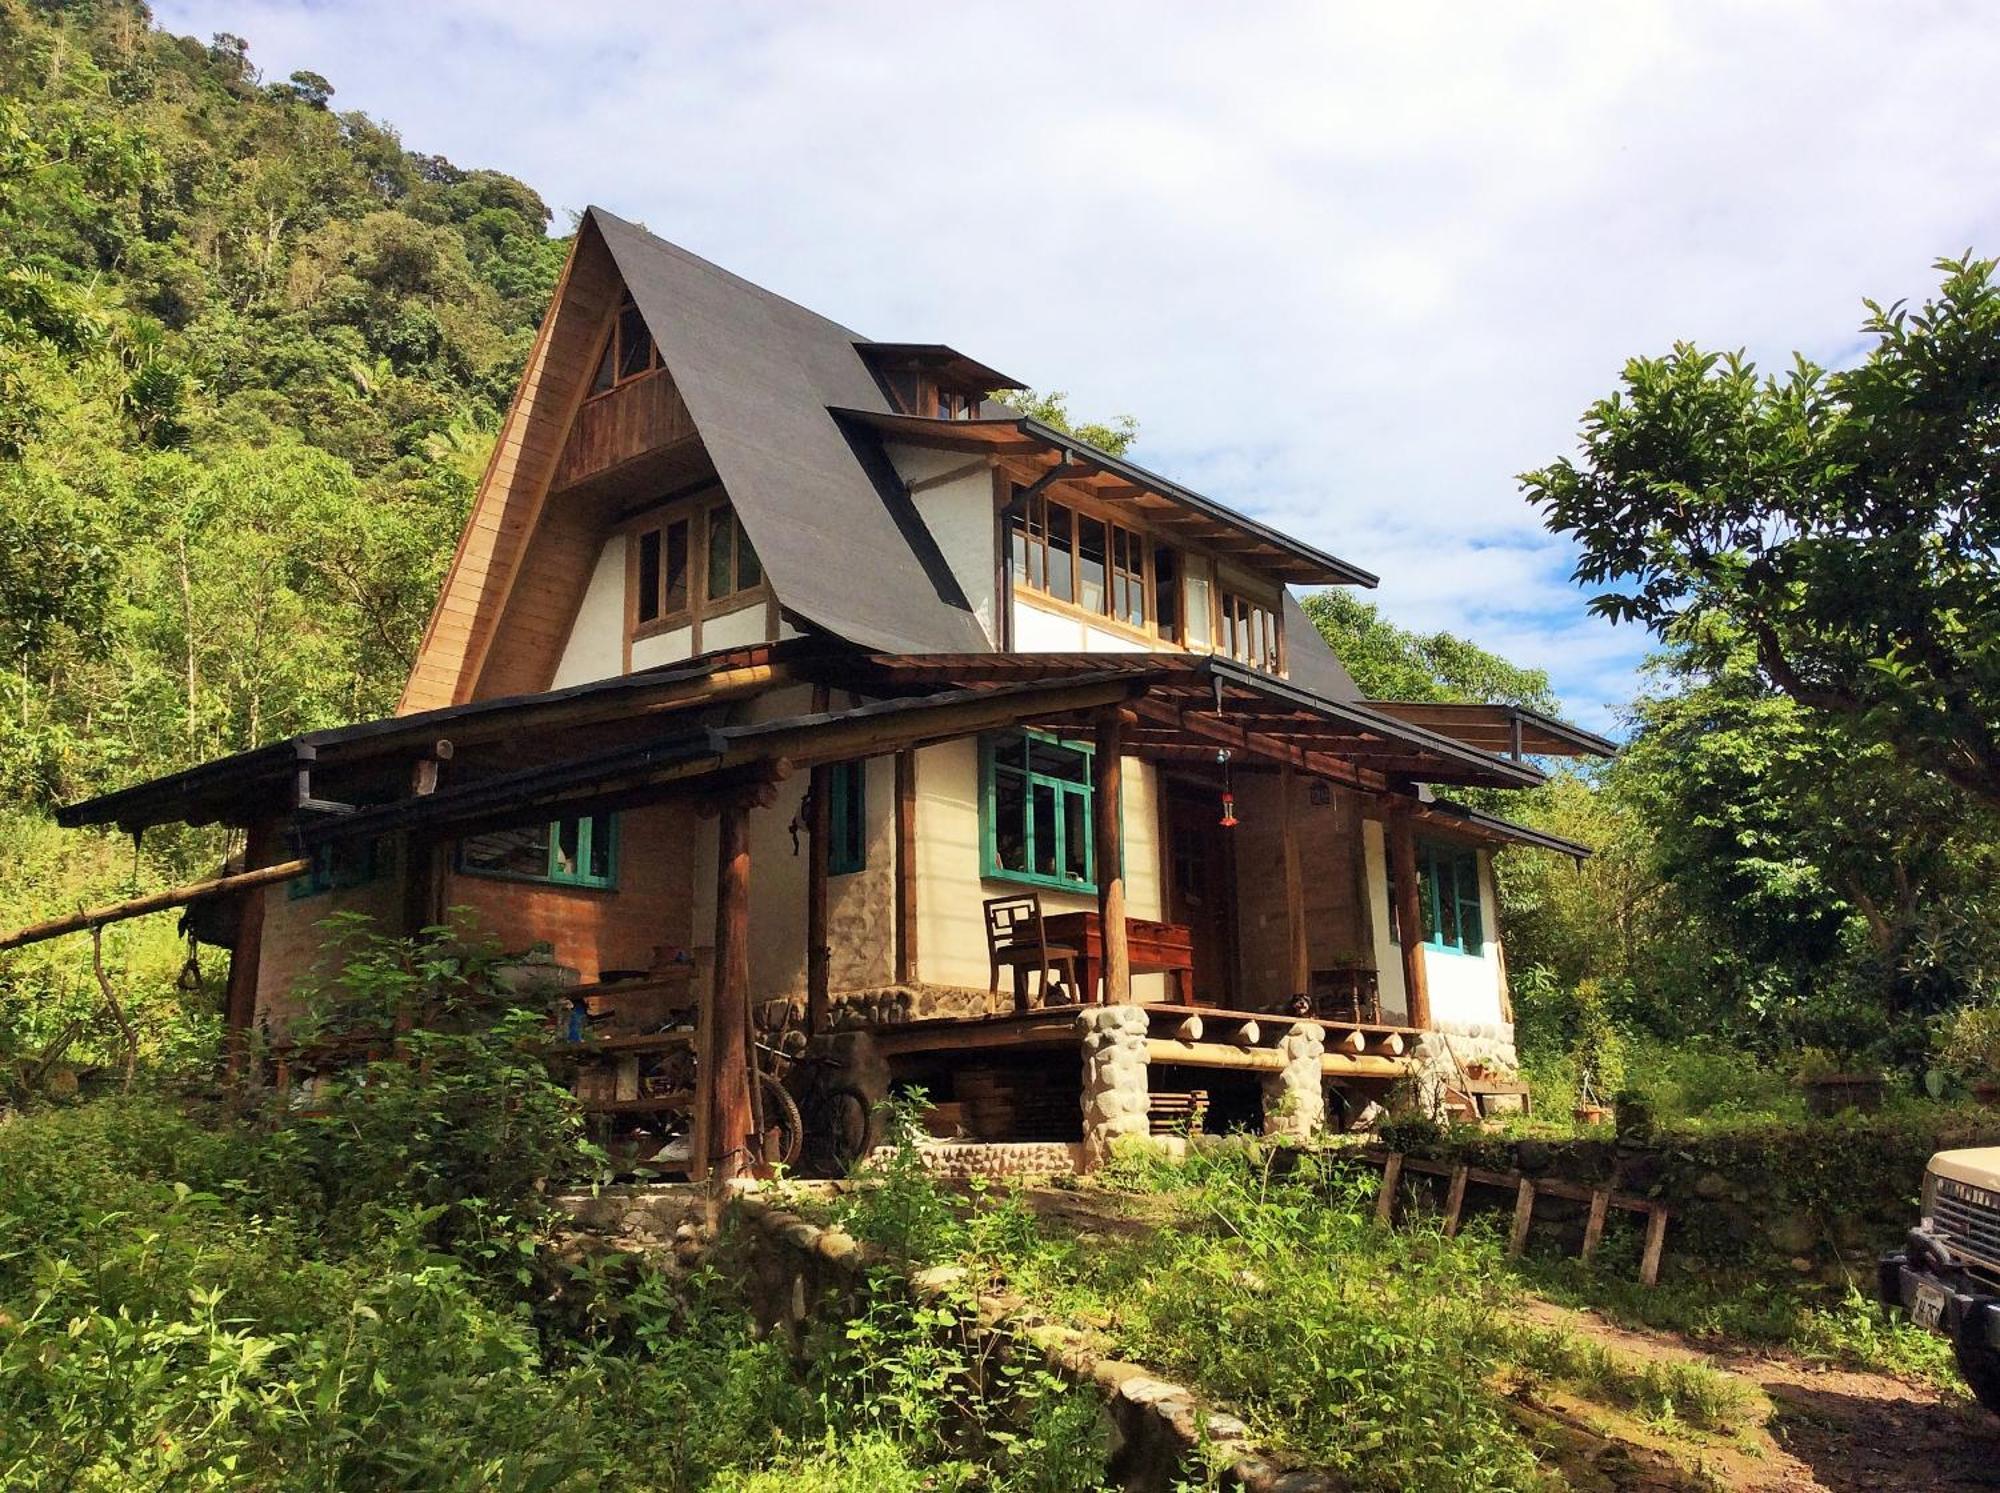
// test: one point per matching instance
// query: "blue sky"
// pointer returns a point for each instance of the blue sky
(1351, 266)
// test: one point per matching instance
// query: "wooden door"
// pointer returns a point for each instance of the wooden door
(1201, 887)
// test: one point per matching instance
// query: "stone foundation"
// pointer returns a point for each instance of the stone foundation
(1438, 1064)
(960, 1160)
(1116, 1085)
(1295, 1098)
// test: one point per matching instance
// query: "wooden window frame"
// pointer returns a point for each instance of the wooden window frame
(1439, 862)
(580, 880)
(697, 511)
(990, 772)
(608, 345)
(739, 596)
(330, 874)
(1031, 530)
(1239, 605)
(847, 818)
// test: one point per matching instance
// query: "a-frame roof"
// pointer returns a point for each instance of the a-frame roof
(844, 547)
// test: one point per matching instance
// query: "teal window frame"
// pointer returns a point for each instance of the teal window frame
(847, 818)
(993, 767)
(554, 875)
(1447, 878)
(333, 871)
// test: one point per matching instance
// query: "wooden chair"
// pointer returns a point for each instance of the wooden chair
(1017, 938)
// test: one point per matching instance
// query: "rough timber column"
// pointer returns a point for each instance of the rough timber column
(1409, 919)
(240, 1004)
(1110, 857)
(1115, 1077)
(1298, 962)
(1295, 1096)
(722, 1072)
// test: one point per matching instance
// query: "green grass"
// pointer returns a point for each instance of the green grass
(1384, 1356)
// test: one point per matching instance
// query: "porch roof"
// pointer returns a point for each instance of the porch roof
(1197, 705)
(1491, 827)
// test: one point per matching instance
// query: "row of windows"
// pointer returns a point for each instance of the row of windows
(1036, 804)
(730, 565)
(1105, 568)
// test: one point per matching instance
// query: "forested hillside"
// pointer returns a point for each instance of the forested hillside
(252, 353)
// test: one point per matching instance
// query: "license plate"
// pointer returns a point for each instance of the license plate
(1928, 1311)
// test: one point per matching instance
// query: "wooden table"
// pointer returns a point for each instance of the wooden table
(1152, 948)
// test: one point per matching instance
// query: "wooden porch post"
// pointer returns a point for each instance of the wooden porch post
(819, 825)
(239, 1010)
(906, 866)
(1107, 765)
(1409, 918)
(1299, 964)
(722, 1072)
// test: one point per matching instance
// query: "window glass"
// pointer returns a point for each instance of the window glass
(1128, 577)
(1090, 563)
(649, 575)
(749, 569)
(1167, 593)
(1036, 811)
(607, 366)
(677, 568)
(523, 851)
(1196, 591)
(635, 343)
(847, 819)
(721, 567)
(1061, 582)
(336, 866)
(597, 861)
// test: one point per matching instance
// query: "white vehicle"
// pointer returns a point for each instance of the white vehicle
(1947, 1275)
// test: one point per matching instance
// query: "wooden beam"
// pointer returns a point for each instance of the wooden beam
(1108, 765)
(1409, 920)
(239, 1007)
(1524, 1216)
(180, 896)
(1593, 1228)
(722, 1074)
(819, 824)
(906, 866)
(1454, 1201)
(1299, 961)
(1385, 1200)
(1656, 1244)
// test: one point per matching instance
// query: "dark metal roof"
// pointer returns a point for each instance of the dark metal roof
(845, 549)
(229, 786)
(947, 362)
(1507, 829)
(1310, 659)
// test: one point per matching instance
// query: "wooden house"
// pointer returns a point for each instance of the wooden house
(771, 655)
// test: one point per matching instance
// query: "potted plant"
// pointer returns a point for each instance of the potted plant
(1834, 1082)
(1599, 1054)
(1969, 1049)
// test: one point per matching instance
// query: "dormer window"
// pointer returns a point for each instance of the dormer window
(950, 406)
(629, 352)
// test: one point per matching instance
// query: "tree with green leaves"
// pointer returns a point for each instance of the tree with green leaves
(1842, 524)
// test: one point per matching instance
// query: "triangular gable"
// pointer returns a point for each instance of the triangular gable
(840, 541)
(507, 511)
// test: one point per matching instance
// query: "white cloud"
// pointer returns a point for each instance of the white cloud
(1353, 266)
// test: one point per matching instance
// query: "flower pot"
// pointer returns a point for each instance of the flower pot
(1830, 1093)
(1590, 1114)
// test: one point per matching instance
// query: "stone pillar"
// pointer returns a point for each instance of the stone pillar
(1115, 1094)
(1295, 1096)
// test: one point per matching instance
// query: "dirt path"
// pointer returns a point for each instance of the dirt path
(1833, 1430)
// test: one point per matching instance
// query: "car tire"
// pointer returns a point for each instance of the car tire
(1980, 1365)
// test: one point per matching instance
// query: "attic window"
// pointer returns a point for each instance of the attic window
(952, 406)
(733, 567)
(1250, 632)
(629, 352)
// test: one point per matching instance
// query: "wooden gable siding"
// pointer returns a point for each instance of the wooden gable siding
(628, 421)
(535, 622)
(516, 484)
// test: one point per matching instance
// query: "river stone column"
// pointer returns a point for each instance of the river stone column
(1115, 1096)
(1295, 1096)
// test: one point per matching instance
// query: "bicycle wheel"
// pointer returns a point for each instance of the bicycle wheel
(784, 1130)
(848, 1128)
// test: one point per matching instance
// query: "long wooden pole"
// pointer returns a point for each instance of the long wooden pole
(1299, 952)
(819, 825)
(1409, 919)
(724, 1071)
(133, 907)
(1107, 766)
(906, 867)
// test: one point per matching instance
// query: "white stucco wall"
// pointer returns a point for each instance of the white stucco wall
(669, 647)
(1464, 988)
(951, 936)
(959, 515)
(596, 646)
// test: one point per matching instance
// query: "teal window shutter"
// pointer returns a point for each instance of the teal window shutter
(847, 818)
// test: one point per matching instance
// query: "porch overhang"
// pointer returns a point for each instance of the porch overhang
(1510, 730)
(1111, 479)
(1197, 706)
(1498, 831)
